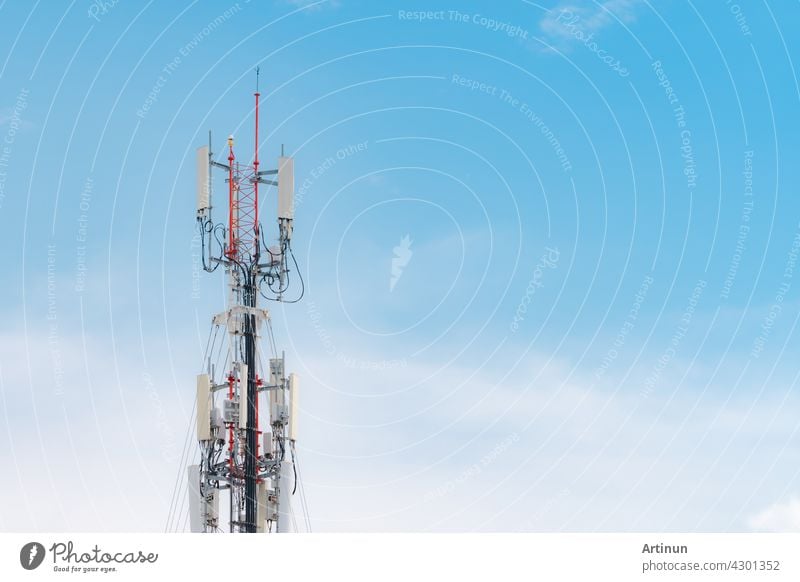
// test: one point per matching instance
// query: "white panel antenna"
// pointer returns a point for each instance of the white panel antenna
(203, 416)
(203, 181)
(285, 187)
(196, 524)
(294, 389)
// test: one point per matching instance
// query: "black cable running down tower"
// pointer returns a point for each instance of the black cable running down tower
(250, 464)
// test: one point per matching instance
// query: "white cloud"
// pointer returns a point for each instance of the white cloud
(86, 452)
(415, 460)
(381, 453)
(779, 517)
(589, 16)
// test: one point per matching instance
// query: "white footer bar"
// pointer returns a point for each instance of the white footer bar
(406, 557)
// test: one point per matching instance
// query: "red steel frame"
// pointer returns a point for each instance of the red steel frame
(243, 204)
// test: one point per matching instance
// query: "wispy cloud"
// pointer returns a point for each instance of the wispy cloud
(590, 16)
(779, 517)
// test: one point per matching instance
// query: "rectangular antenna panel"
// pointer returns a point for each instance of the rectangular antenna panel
(261, 510)
(203, 413)
(203, 180)
(196, 517)
(285, 487)
(294, 389)
(285, 187)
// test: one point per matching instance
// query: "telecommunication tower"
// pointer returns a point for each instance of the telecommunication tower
(247, 407)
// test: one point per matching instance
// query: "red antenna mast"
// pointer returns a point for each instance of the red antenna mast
(243, 243)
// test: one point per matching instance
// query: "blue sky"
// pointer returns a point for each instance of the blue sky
(592, 320)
